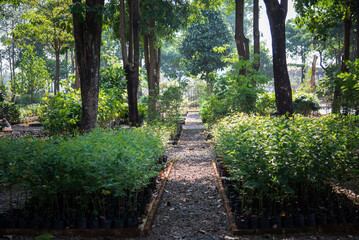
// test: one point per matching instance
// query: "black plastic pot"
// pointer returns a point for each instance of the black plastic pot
(253, 223)
(287, 222)
(119, 223)
(132, 222)
(105, 223)
(81, 222)
(242, 223)
(275, 222)
(22, 223)
(322, 219)
(310, 220)
(299, 220)
(46, 224)
(93, 223)
(332, 219)
(264, 222)
(58, 224)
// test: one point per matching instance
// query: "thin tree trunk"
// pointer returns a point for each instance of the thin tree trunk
(241, 41)
(302, 55)
(338, 87)
(131, 60)
(313, 88)
(152, 91)
(87, 34)
(57, 77)
(357, 27)
(283, 92)
(256, 34)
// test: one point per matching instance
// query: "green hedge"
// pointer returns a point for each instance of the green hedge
(86, 168)
(270, 157)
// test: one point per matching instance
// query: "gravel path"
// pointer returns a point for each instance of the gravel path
(191, 206)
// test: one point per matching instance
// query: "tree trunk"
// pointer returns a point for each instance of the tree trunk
(131, 60)
(87, 34)
(357, 27)
(241, 41)
(313, 88)
(338, 86)
(57, 77)
(283, 92)
(256, 34)
(151, 77)
(302, 56)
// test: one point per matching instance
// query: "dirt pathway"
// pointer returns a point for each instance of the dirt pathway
(191, 207)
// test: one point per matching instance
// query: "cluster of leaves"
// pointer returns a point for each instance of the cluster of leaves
(10, 111)
(271, 157)
(61, 114)
(233, 93)
(350, 87)
(30, 110)
(78, 175)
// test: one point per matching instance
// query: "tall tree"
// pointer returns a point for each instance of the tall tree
(320, 16)
(160, 20)
(199, 42)
(87, 19)
(50, 22)
(241, 41)
(256, 34)
(277, 13)
(298, 41)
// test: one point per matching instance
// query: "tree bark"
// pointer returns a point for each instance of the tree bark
(357, 27)
(151, 77)
(87, 34)
(57, 77)
(241, 41)
(131, 60)
(283, 92)
(313, 88)
(256, 34)
(344, 68)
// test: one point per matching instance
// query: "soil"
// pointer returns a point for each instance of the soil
(191, 207)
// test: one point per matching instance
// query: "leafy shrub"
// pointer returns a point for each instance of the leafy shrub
(273, 159)
(265, 104)
(25, 99)
(30, 110)
(61, 114)
(85, 174)
(10, 111)
(350, 88)
(305, 103)
(2, 93)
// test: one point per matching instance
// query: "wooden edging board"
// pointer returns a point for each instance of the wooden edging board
(328, 228)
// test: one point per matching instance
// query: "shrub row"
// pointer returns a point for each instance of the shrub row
(86, 175)
(282, 160)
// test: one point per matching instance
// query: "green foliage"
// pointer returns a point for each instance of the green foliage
(170, 101)
(272, 157)
(91, 169)
(10, 111)
(113, 78)
(233, 93)
(199, 42)
(265, 104)
(2, 93)
(33, 76)
(350, 88)
(25, 99)
(305, 103)
(61, 114)
(30, 110)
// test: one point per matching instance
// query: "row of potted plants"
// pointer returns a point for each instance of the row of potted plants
(283, 166)
(105, 174)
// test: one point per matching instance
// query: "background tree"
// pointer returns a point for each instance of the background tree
(159, 21)
(277, 13)
(199, 42)
(49, 22)
(319, 16)
(32, 76)
(299, 42)
(87, 19)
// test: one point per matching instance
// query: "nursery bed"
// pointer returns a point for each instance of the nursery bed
(142, 230)
(337, 228)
